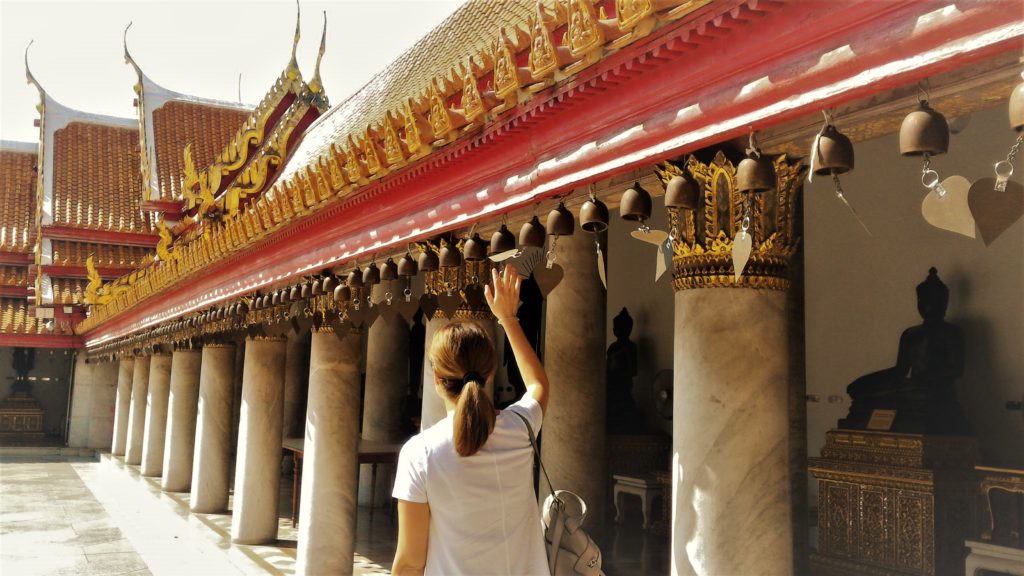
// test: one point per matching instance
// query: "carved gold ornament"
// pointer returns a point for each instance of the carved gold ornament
(702, 249)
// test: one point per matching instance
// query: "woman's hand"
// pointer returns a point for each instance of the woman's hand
(502, 293)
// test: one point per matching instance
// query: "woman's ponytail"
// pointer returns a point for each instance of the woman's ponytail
(463, 360)
(474, 418)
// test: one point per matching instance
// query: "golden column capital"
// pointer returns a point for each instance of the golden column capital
(704, 236)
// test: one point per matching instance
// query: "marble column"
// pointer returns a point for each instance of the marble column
(122, 406)
(156, 415)
(181, 420)
(433, 406)
(330, 469)
(137, 414)
(258, 458)
(91, 418)
(296, 370)
(211, 461)
(573, 446)
(387, 384)
(730, 460)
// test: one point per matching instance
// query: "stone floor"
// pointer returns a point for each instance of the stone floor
(65, 514)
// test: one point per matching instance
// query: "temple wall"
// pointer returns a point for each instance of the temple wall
(53, 393)
(861, 290)
(631, 267)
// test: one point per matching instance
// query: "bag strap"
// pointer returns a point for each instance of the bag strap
(558, 523)
(536, 452)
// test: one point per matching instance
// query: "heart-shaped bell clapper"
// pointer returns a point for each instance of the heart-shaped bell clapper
(664, 258)
(950, 210)
(656, 237)
(995, 211)
(741, 248)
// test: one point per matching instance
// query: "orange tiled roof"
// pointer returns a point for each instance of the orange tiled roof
(17, 201)
(15, 319)
(67, 253)
(69, 291)
(13, 276)
(178, 123)
(96, 179)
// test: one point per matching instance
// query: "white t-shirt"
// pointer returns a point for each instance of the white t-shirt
(484, 517)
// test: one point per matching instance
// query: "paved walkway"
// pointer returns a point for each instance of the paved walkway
(52, 524)
(76, 516)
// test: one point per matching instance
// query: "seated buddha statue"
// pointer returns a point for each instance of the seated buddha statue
(921, 387)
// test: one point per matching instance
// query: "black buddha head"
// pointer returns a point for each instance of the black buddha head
(622, 325)
(932, 297)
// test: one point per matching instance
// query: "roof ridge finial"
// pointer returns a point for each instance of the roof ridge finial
(129, 60)
(29, 77)
(293, 66)
(315, 84)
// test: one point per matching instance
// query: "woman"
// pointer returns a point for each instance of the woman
(466, 503)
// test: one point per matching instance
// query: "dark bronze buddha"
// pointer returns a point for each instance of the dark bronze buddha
(921, 387)
(623, 415)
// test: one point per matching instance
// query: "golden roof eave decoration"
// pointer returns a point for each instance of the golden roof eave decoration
(427, 119)
(702, 251)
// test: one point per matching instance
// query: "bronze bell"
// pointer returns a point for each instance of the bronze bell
(329, 284)
(275, 299)
(306, 291)
(924, 131)
(635, 204)
(834, 153)
(407, 266)
(561, 221)
(257, 304)
(756, 174)
(532, 234)
(295, 294)
(594, 216)
(1017, 108)
(242, 309)
(681, 192)
(232, 310)
(342, 293)
(428, 261)
(503, 240)
(474, 249)
(371, 275)
(315, 287)
(355, 278)
(390, 271)
(450, 256)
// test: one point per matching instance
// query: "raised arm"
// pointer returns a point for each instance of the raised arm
(503, 298)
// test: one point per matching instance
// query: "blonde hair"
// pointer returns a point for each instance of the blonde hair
(463, 359)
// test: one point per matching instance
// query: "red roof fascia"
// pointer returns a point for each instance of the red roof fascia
(15, 258)
(169, 208)
(14, 291)
(40, 341)
(100, 236)
(713, 67)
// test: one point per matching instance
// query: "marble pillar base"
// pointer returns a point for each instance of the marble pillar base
(330, 469)
(258, 461)
(155, 434)
(122, 406)
(181, 421)
(212, 452)
(137, 411)
(730, 463)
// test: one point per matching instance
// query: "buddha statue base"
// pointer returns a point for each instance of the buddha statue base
(891, 503)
